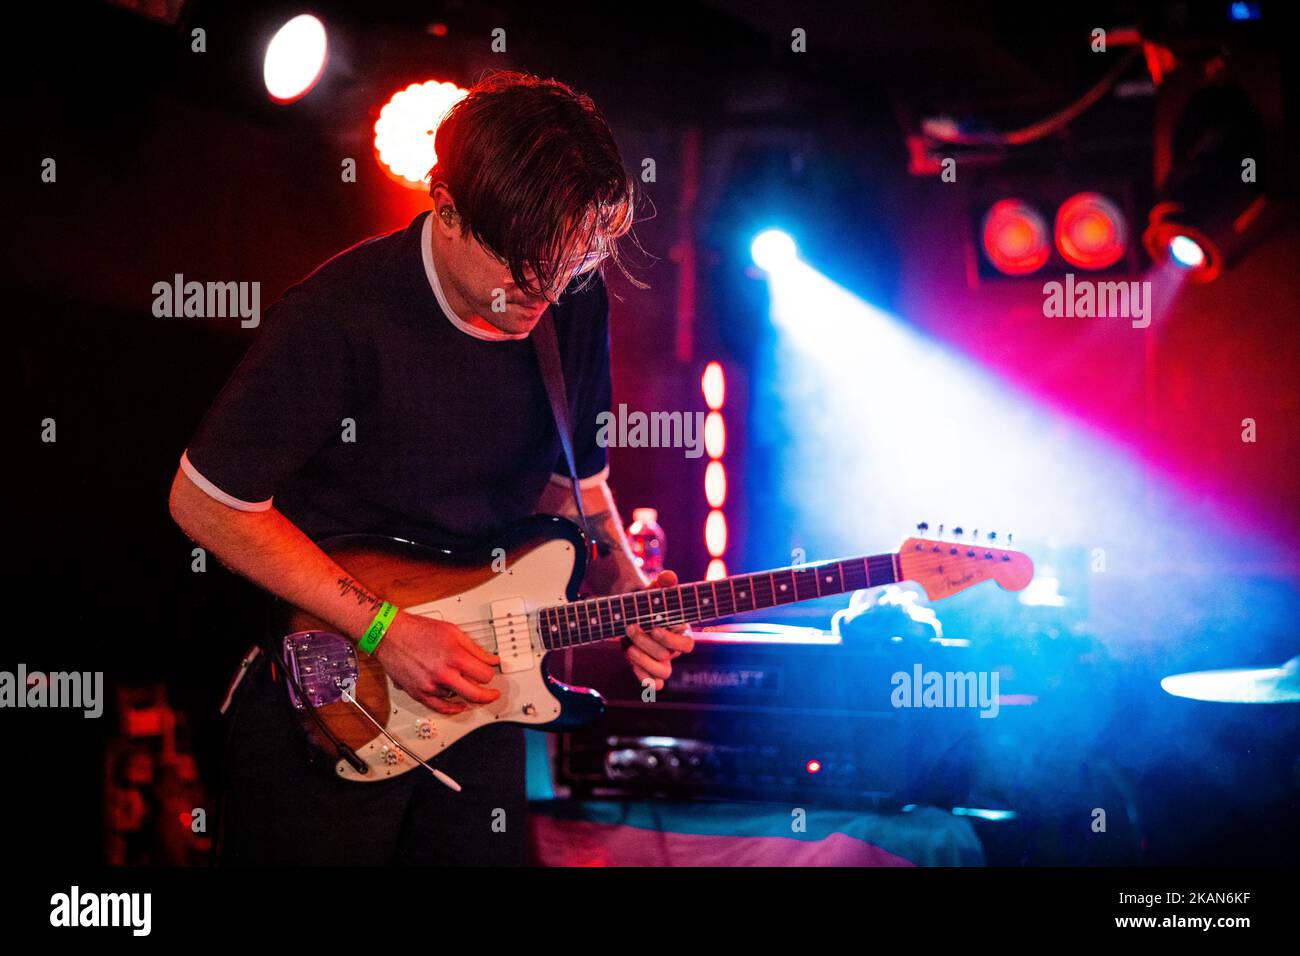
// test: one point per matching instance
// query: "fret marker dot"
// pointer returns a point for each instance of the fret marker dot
(783, 587)
(593, 620)
(616, 617)
(828, 579)
(706, 600)
(554, 628)
(656, 600)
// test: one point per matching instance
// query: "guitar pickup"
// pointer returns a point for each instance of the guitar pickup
(514, 638)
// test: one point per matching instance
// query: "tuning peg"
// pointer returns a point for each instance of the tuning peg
(993, 536)
(957, 531)
(923, 527)
(940, 531)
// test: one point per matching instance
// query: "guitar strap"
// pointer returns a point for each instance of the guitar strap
(548, 358)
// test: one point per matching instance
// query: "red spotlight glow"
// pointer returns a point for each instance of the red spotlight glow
(813, 766)
(1015, 238)
(715, 533)
(405, 128)
(715, 435)
(715, 484)
(714, 385)
(1091, 232)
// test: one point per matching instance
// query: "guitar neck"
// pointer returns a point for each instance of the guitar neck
(599, 619)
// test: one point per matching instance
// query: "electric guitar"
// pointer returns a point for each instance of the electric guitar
(517, 597)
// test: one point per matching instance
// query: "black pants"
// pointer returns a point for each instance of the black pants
(281, 806)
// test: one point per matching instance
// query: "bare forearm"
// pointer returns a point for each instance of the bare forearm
(616, 572)
(268, 549)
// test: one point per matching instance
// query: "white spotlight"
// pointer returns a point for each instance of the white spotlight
(295, 58)
(772, 249)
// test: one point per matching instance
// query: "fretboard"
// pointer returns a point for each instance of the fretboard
(598, 619)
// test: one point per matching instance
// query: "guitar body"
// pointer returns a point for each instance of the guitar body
(506, 592)
(489, 591)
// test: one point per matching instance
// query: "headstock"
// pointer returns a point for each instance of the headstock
(946, 567)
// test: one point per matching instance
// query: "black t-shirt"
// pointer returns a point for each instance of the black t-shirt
(365, 405)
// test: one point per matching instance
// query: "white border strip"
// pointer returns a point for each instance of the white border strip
(212, 491)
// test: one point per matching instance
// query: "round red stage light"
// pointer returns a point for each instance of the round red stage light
(1015, 238)
(405, 128)
(814, 766)
(1091, 232)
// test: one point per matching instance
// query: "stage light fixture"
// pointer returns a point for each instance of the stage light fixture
(715, 533)
(715, 435)
(772, 249)
(295, 59)
(1215, 156)
(1187, 252)
(1015, 238)
(715, 484)
(406, 126)
(1091, 231)
(714, 385)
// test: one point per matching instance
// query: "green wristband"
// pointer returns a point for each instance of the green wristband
(378, 628)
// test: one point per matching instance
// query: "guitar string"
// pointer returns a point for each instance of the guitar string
(492, 622)
(485, 627)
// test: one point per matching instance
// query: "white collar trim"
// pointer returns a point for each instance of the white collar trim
(426, 253)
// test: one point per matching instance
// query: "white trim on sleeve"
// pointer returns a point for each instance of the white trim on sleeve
(426, 253)
(591, 481)
(212, 491)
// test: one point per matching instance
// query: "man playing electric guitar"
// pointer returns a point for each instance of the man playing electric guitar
(394, 392)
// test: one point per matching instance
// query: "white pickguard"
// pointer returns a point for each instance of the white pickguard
(537, 579)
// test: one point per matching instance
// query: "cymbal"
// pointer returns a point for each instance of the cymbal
(1246, 685)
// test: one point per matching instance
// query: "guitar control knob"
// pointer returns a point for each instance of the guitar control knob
(390, 755)
(424, 729)
(923, 527)
(530, 709)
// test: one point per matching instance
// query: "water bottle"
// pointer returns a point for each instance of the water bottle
(647, 540)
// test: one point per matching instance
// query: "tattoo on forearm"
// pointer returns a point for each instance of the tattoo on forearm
(607, 528)
(348, 586)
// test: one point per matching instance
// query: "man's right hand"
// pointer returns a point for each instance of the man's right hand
(433, 660)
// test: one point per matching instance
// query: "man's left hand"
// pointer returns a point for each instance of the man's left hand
(652, 652)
